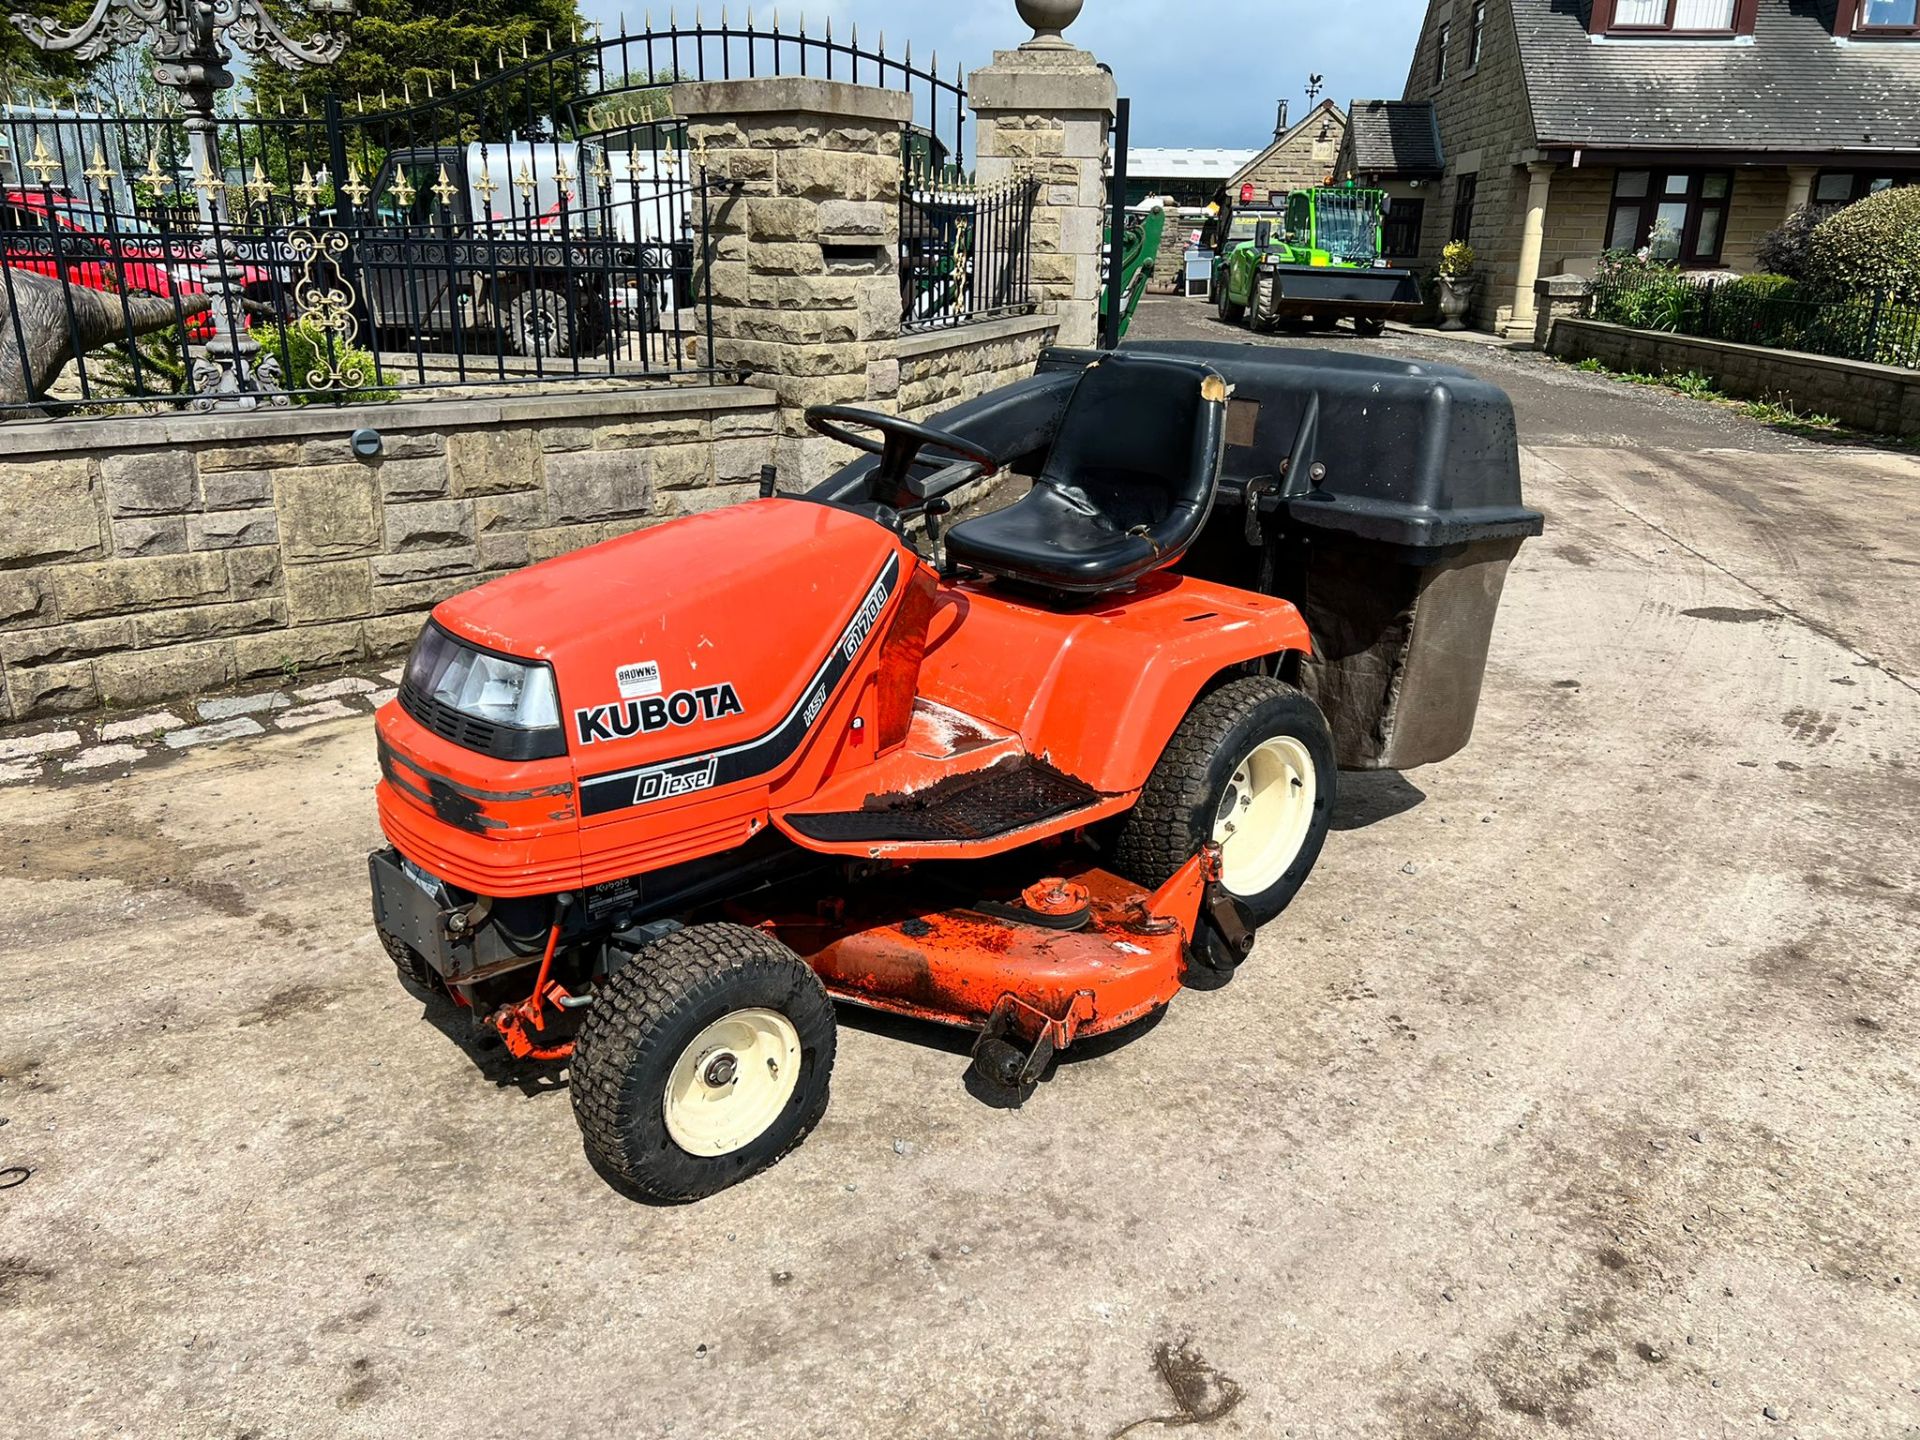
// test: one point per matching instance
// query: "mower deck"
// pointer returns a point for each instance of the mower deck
(1077, 954)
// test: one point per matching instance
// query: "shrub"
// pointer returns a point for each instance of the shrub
(1872, 248)
(1456, 261)
(305, 351)
(1788, 249)
(1631, 288)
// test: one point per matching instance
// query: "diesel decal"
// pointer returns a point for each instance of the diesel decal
(643, 717)
(676, 780)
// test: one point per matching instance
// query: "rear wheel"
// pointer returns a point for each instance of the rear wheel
(1251, 769)
(704, 1060)
(1229, 312)
(541, 322)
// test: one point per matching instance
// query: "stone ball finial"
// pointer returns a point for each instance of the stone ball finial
(1048, 18)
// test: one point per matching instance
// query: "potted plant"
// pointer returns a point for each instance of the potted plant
(1454, 280)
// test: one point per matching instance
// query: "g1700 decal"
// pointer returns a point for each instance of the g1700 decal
(643, 717)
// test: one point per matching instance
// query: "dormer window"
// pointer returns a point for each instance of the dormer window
(1888, 18)
(1674, 17)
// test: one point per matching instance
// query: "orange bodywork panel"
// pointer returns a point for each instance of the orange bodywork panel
(727, 672)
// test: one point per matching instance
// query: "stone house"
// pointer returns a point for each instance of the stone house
(1693, 127)
(1300, 156)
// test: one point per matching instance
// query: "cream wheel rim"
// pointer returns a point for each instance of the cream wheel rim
(731, 1082)
(1264, 815)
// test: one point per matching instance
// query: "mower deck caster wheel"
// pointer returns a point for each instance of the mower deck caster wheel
(703, 1061)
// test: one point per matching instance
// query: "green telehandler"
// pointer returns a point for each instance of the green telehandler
(1318, 258)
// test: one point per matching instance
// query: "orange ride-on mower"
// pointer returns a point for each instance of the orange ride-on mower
(654, 805)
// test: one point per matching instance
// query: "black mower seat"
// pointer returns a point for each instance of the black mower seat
(1126, 489)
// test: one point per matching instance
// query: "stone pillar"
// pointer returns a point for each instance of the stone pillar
(1045, 110)
(803, 181)
(1560, 297)
(1799, 188)
(1532, 237)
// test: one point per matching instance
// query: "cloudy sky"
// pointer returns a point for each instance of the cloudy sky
(1201, 72)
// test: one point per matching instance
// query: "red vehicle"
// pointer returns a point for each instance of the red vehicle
(651, 805)
(54, 235)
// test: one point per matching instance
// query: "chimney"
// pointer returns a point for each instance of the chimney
(1280, 126)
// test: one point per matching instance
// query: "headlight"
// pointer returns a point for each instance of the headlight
(492, 703)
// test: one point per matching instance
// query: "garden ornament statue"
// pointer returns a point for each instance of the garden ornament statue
(191, 42)
(1048, 19)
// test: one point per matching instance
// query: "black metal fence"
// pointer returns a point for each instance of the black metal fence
(542, 222)
(966, 250)
(1765, 311)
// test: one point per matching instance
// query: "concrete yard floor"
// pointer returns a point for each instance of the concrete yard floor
(1576, 1095)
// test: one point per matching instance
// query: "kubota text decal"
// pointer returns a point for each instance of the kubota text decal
(687, 774)
(643, 717)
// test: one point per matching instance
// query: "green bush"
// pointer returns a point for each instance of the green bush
(313, 359)
(1635, 290)
(1872, 248)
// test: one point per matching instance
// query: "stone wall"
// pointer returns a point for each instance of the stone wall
(943, 368)
(150, 557)
(1879, 398)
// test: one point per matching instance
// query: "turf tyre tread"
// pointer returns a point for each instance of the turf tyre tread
(1172, 818)
(637, 1029)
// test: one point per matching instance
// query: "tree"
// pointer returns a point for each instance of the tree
(403, 47)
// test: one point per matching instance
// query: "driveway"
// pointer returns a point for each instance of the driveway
(1575, 1096)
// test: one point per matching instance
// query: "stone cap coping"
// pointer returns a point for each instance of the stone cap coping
(1559, 286)
(790, 94)
(916, 344)
(1865, 369)
(1044, 82)
(146, 432)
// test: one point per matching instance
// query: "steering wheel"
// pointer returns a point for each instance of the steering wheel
(899, 445)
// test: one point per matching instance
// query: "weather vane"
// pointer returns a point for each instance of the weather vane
(1314, 87)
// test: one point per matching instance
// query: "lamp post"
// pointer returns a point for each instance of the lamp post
(192, 43)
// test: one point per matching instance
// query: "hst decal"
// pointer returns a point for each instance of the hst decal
(659, 712)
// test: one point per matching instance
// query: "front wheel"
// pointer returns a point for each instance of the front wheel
(704, 1060)
(540, 322)
(1252, 770)
(1266, 303)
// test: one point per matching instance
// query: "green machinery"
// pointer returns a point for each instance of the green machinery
(1146, 226)
(1316, 258)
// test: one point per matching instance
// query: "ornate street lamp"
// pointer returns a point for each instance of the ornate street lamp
(191, 42)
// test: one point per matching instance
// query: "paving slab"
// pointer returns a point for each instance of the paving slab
(18, 772)
(141, 726)
(380, 698)
(334, 689)
(211, 734)
(100, 756)
(47, 742)
(225, 707)
(307, 715)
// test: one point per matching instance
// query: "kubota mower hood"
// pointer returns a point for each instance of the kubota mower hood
(715, 639)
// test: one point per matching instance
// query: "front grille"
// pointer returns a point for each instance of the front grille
(502, 742)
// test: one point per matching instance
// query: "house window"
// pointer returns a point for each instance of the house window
(1401, 234)
(1889, 17)
(1680, 17)
(1477, 39)
(1676, 215)
(1440, 56)
(1835, 188)
(1464, 195)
